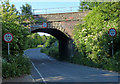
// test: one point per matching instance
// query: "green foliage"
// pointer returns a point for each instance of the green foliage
(26, 15)
(44, 38)
(80, 59)
(53, 52)
(39, 46)
(50, 40)
(51, 48)
(26, 9)
(10, 24)
(22, 37)
(16, 66)
(44, 50)
(88, 5)
(92, 39)
(18, 31)
(9, 12)
(33, 40)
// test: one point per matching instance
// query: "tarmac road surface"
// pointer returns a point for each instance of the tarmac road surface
(46, 69)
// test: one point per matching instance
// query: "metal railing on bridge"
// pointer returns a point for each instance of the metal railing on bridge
(55, 10)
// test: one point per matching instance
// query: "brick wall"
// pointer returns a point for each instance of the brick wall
(63, 16)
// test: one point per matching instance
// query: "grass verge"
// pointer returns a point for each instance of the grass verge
(15, 66)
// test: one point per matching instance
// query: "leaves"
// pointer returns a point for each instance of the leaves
(92, 39)
(88, 5)
(26, 9)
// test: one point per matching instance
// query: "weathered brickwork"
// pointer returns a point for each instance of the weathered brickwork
(64, 22)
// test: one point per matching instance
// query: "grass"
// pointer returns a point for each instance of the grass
(15, 66)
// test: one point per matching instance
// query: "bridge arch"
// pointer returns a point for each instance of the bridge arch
(65, 43)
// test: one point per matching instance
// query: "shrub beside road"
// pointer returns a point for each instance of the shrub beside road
(93, 44)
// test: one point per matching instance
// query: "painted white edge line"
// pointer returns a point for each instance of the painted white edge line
(39, 73)
(32, 78)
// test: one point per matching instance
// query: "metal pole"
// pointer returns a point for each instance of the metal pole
(8, 49)
(112, 47)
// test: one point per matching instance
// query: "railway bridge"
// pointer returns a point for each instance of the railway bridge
(61, 26)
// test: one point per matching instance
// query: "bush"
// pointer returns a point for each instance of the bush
(92, 40)
(51, 47)
(117, 56)
(44, 50)
(50, 40)
(15, 66)
(53, 51)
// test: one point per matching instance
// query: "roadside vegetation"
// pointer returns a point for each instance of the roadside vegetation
(91, 39)
(51, 47)
(93, 44)
(16, 64)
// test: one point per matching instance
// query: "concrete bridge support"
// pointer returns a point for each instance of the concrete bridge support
(65, 49)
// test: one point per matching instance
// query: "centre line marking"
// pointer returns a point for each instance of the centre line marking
(39, 73)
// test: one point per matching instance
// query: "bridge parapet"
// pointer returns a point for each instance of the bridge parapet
(62, 16)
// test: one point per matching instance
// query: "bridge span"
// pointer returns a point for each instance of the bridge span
(61, 26)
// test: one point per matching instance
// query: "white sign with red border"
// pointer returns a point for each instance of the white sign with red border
(44, 25)
(8, 37)
(112, 32)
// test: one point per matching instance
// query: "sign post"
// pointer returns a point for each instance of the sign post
(112, 32)
(8, 37)
(8, 49)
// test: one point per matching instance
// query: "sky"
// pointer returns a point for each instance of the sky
(63, 5)
(45, 0)
(51, 6)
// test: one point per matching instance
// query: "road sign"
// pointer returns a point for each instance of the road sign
(8, 37)
(44, 25)
(112, 32)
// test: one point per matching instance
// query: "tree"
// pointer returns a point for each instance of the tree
(50, 40)
(9, 13)
(26, 14)
(11, 24)
(12, 65)
(34, 40)
(26, 9)
(92, 39)
(88, 5)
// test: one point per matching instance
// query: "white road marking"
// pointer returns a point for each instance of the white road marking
(32, 78)
(39, 73)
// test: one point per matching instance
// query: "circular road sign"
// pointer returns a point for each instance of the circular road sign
(112, 32)
(44, 25)
(8, 37)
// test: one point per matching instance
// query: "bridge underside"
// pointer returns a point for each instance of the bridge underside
(65, 43)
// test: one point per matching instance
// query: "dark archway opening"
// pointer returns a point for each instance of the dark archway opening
(65, 43)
